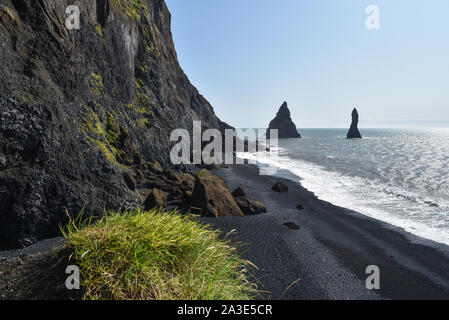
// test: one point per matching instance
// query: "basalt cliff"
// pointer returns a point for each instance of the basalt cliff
(86, 113)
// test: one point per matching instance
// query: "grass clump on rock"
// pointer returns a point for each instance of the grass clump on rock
(156, 255)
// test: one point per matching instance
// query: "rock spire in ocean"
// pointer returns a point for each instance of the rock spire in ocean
(354, 132)
(283, 122)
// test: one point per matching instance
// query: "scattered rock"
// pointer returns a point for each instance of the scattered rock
(280, 187)
(171, 175)
(155, 167)
(250, 206)
(156, 199)
(176, 194)
(212, 195)
(284, 124)
(188, 181)
(292, 226)
(247, 205)
(140, 175)
(353, 132)
(129, 180)
(177, 187)
(239, 192)
(300, 207)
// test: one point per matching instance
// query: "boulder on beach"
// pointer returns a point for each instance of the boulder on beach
(284, 124)
(247, 205)
(212, 195)
(155, 167)
(188, 181)
(250, 206)
(238, 192)
(353, 132)
(156, 199)
(171, 175)
(280, 187)
(292, 226)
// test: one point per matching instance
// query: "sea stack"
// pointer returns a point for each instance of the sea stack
(284, 124)
(354, 132)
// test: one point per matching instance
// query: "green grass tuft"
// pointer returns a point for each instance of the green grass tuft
(156, 255)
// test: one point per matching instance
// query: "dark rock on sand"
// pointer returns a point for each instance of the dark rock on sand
(292, 226)
(247, 205)
(346, 241)
(177, 188)
(353, 132)
(280, 187)
(156, 199)
(284, 124)
(250, 206)
(78, 107)
(212, 195)
(238, 192)
(300, 207)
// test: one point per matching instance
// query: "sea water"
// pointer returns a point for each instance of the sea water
(399, 176)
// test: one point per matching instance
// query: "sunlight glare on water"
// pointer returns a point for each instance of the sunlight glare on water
(395, 175)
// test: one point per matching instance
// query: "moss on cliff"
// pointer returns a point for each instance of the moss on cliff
(112, 128)
(96, 84)
(131, 8)
(105, 138)
(99, 30)
(143, 122)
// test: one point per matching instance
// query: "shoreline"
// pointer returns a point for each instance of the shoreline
(325, 259)
(332, 248)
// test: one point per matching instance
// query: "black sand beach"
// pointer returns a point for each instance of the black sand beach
(331, 250)
(325, 258)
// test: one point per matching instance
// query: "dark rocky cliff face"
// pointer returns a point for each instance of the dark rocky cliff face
(82, 109)
(354, 132)
(283, 122)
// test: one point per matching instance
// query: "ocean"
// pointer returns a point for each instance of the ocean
(400, 176)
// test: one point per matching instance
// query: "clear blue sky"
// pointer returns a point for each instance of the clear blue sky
(248, 56)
